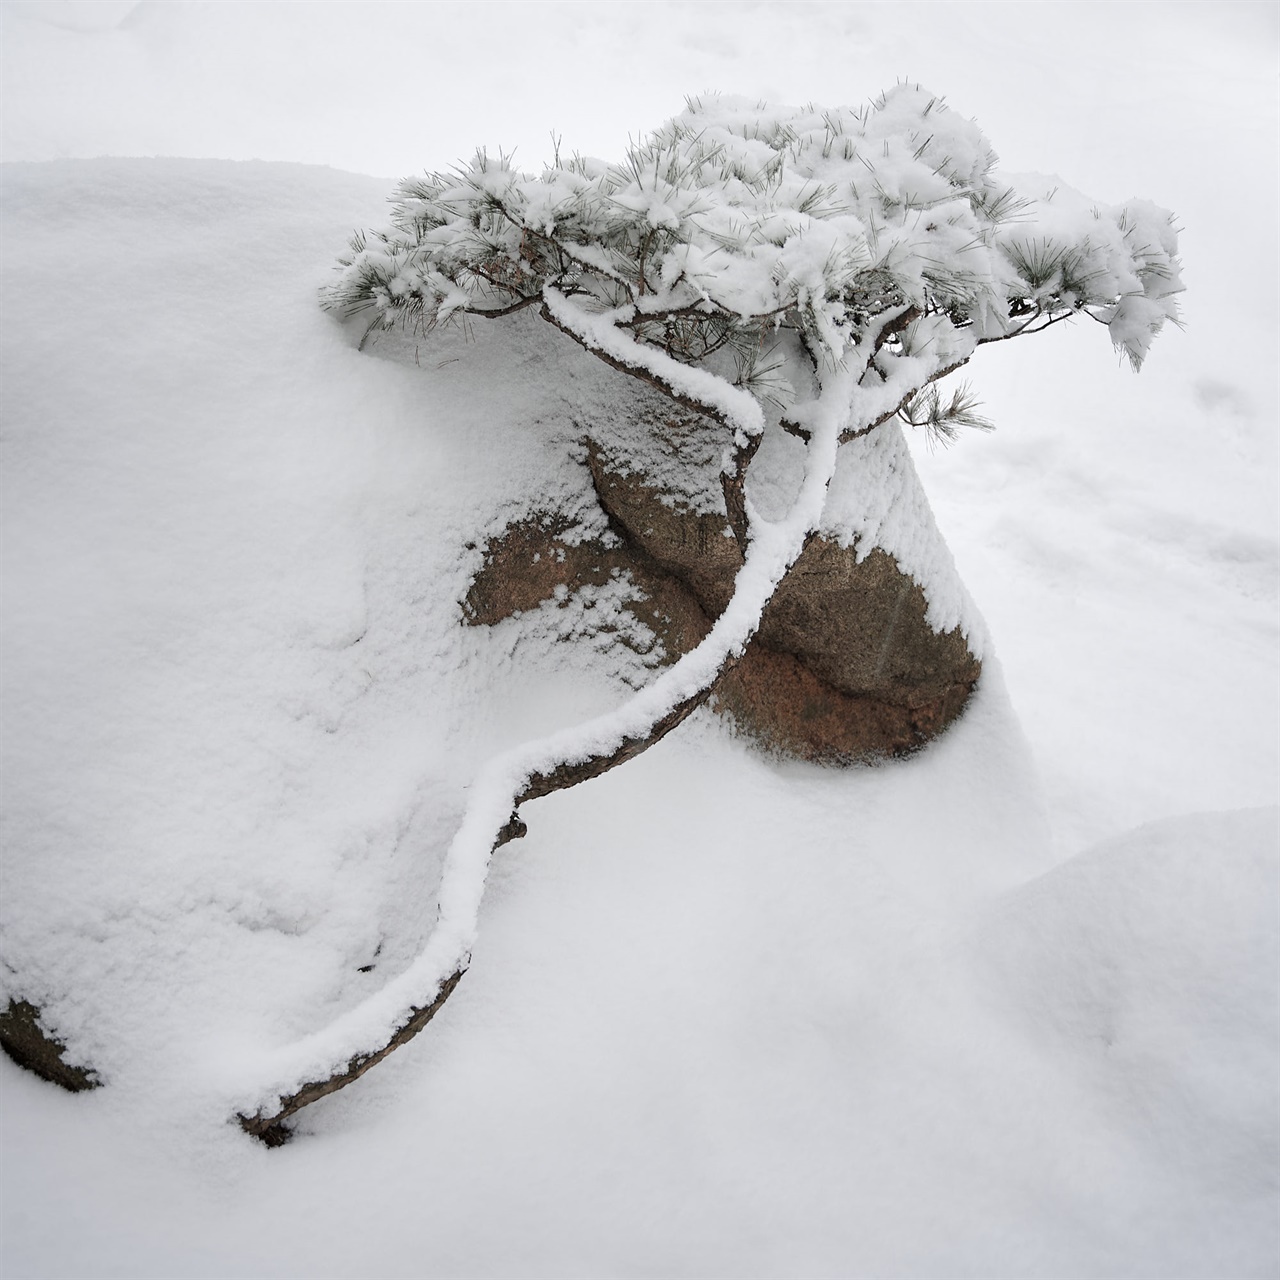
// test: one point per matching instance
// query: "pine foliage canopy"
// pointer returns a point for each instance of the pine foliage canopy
(736, 221)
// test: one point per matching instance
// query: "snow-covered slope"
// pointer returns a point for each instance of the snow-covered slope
(726, 1016)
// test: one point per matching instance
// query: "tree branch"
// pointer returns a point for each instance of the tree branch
(1027, 329)
(630, 340)
(494, 313)
(853, 434)
(641, 372)
(733, 486)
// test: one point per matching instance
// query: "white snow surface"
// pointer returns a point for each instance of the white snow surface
(1007, 1008)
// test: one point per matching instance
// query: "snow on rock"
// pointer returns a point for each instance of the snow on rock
(877, 501)
(237, 704)
(738, 998)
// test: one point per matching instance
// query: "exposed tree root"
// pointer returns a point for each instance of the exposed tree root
(564, 761)
(271, 1128)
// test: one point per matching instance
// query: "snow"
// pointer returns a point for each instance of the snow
(1006, 1008)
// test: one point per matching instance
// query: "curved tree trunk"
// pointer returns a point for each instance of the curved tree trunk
(563, 760)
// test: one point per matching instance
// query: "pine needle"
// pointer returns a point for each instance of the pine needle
(943, 420)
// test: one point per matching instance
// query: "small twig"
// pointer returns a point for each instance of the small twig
(1027, 329)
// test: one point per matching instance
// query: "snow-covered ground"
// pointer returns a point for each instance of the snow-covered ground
(1006, 1009)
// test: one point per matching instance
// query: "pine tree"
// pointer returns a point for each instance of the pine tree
(821, 270)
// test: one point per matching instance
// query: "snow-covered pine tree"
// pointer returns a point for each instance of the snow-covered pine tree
(814, 272)
(734, 260)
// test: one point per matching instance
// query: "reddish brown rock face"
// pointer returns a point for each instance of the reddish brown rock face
(844, 667)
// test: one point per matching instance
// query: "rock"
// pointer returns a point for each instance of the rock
(861, 627)
(845, 665)
(27, 1043)
(698, 548)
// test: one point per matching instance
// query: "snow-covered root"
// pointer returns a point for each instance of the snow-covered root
(299, 1074)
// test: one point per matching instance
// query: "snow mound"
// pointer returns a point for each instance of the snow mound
(1152, 961)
